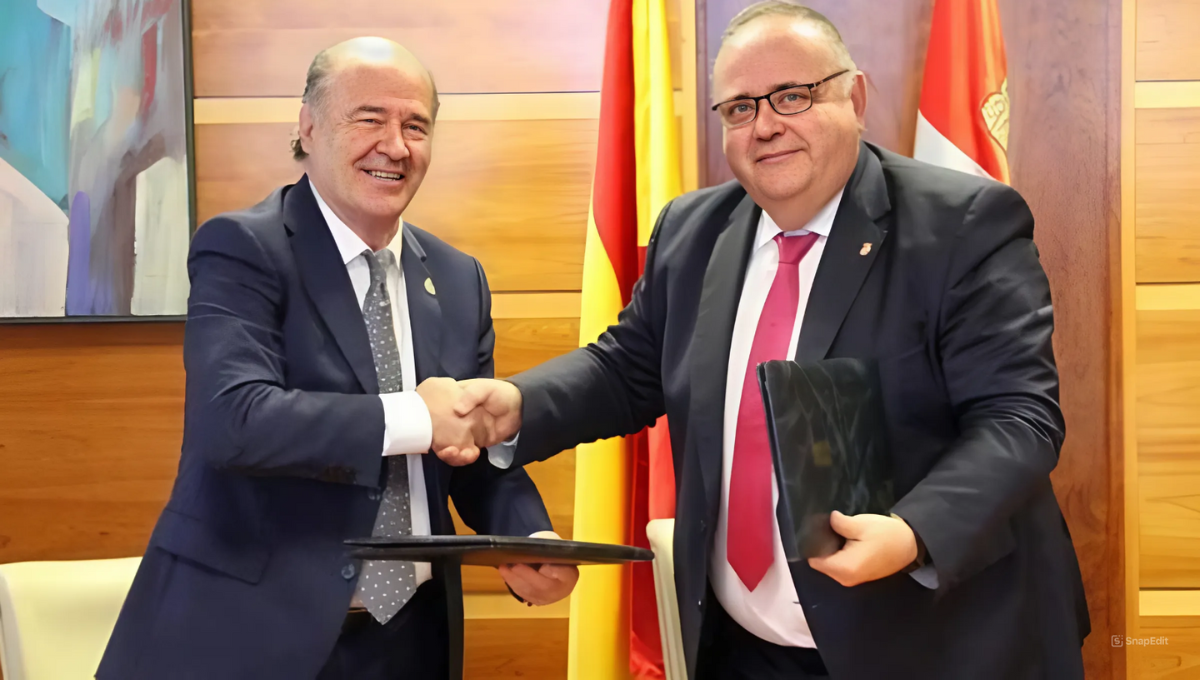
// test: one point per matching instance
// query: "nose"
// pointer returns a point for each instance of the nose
(393, 144)
(767, 124)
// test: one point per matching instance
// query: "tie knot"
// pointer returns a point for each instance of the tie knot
(377, 263)
(792, 249)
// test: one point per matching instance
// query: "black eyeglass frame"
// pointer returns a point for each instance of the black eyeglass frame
(768, 96)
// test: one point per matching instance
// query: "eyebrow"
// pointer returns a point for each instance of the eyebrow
(379, 110)
(774, 88)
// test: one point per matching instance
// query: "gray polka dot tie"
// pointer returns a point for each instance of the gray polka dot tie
(385, 587)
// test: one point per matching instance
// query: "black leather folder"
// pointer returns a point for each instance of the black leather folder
(494, 551)
(829, 445)
(447, 553)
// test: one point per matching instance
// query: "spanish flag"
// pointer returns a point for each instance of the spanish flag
(962, 119)
(614, 624)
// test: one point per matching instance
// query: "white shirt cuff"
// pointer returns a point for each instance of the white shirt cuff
(926, 576)
(408, 428)
(501, 455)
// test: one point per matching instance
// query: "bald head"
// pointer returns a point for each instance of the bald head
(362, 51)
(806, 24)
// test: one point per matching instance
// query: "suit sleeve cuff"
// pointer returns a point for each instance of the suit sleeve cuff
(501, 455)
(926, 576)
(408, 428)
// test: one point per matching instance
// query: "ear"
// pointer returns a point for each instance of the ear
(858, 96)
(306, 128)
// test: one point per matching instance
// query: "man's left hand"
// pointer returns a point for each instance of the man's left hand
(545, 585)
(877, 546)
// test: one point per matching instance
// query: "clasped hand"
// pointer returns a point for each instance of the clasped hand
(470, 415)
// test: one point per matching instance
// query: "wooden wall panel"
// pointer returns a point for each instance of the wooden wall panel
(1177, 659)
(1167, 48)
(522, 344)
(1168, 425)
(91, 419)
(1064, 152)
(239, 165)
(1167, 187)
(1064, 66)
(513, 193)
(533, 649)
(263, 48)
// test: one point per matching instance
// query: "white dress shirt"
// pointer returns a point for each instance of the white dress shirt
(408, 427)
(772, 611)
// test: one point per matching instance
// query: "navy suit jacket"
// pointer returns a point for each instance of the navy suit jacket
(951, 299)
(246, 574)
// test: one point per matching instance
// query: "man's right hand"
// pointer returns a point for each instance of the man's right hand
(497, 403)
(456, 439)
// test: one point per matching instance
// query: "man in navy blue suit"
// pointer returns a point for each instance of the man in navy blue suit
(323, 344)
(827, 246)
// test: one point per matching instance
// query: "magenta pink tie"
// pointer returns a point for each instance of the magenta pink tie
(751, 512)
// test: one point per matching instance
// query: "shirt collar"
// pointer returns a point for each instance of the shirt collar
(821, 223)
(348, 243)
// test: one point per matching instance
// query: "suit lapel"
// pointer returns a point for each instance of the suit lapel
(328, 285)
(424, 310)
(425, 320)
(719, 297)
(853, 245)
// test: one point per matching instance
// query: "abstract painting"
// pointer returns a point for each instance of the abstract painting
(95, 159)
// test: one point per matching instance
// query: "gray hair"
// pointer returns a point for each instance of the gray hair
(783, 8)
(316, 90)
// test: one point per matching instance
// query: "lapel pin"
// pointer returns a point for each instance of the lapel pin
(866, 250)
(429, 286)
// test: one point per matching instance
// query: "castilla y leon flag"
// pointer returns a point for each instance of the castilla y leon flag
(962, 121)
(622, 483)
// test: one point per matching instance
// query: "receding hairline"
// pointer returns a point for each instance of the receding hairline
(780, 10)
(369, 51)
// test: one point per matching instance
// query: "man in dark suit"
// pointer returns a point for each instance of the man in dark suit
(827, 246)
(312, 318)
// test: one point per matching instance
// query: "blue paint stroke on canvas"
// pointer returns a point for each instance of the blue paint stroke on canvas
(35, 82)
(91, 107)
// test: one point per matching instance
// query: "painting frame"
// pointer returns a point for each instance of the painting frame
(189, 131)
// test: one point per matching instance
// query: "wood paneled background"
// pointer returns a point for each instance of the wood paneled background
(91, 414)
(1165, 362)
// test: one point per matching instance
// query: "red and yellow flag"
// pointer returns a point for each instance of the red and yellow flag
(962, 121)
(621, 483)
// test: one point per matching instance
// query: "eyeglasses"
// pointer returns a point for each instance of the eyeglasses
(787, 101)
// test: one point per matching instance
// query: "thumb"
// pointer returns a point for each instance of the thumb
(475, 392)
(847, 526)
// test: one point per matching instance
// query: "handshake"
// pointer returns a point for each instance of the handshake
(470, 415)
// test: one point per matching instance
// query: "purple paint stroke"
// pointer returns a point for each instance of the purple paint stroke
(79, 242)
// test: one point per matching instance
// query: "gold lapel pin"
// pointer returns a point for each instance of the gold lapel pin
(866, 250)
(429, 286)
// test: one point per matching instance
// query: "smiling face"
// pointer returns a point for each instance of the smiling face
(781, 158)
(369, 140)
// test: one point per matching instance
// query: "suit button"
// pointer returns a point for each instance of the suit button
(349, 571)
(373, 495)
(703, 525)
(700, 604)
